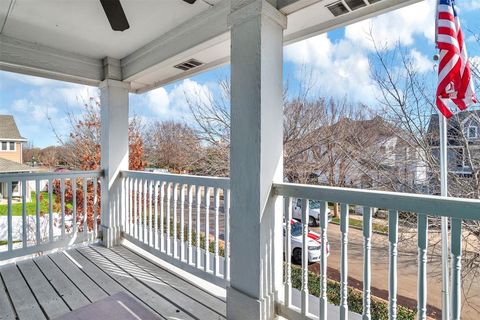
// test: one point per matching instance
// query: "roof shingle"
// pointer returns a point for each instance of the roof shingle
(8, 128)
(7, 166)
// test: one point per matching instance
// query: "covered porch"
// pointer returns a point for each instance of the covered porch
(187, 246)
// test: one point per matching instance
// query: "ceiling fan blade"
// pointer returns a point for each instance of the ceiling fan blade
(190, 1)
(115, 14)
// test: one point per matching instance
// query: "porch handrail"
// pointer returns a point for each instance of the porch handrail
(423, 206)
(32, 232)
(214, 182)
(7, 177)
(460, 208)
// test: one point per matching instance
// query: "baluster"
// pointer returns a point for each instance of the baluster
(139, 208)
(162, 227)
(216, 244)
(392, 284)
(124, 200)
(169, 195)
(422, 265)
(50, 209)
(24, 213)
(323, 259)
(145, 211)
(304, 290)
(85, 205)
(95, 203)
(37, 211)
(150, 213)
(182, 222)
(62, 204)
(155, 217)
(190, 202)
(344, 222)
(226, 245)
(367, 246)
(74, 205)
(9, 216)
(207, 230)
(175, 202)
(141, 231)
(288, 250)
(135, 209)
(197, 225)
(456, 253)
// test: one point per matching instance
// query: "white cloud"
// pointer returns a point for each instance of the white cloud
(33, 111)
(420, 62)
(342, 67)
(158, 101)
(469, 5)
(338, 69)
(397, 26)
(174, 104)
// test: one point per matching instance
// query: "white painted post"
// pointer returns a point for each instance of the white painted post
(256, 159)
(114, 156)
(367, 272)
(422, 266)
(392, 264)
(456, 261)
(344, 222)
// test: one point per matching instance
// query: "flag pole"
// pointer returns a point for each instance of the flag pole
(444, 230)
(442, 121)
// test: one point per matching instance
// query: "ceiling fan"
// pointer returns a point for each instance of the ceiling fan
(116, 16)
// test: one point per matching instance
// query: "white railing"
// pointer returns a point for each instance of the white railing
(181, 219)
(47, 210)
(423, 206)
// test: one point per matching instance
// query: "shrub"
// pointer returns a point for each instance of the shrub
(379, 307)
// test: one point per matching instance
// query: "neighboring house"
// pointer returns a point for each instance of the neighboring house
(463, 141)
(11, 145)
(374, 154)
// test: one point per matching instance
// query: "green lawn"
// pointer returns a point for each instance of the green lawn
(31, 206)
(358, 224)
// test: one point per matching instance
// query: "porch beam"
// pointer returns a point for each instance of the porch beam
(340, 21)
(256, 159)
(114, 154)
(37, 60)
(204, 30)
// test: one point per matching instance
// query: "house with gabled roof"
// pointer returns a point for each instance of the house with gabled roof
(11, 160)
(463, 134)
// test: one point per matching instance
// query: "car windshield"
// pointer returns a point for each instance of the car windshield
(296, 229)
(314, 204)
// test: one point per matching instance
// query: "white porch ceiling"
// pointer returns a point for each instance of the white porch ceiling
(67, 39)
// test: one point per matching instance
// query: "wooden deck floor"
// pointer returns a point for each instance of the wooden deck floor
(50, 286)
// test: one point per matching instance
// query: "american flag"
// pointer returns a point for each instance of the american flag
(455, 86)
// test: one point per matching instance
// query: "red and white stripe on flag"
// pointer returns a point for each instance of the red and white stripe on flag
(455, 90)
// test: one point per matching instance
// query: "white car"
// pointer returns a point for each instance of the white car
(313, 212)
(314, 244)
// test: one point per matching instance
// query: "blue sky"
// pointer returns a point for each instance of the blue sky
(338, 62)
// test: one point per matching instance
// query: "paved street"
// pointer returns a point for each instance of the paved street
(407, 270)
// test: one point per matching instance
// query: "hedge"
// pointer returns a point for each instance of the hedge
(379, 307)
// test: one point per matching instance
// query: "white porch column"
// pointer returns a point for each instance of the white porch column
(256, 158)
(114, 155)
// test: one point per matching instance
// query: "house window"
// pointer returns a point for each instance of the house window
(8, 146)
(472, 132)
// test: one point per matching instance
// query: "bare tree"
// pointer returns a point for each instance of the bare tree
(171, 145)
(407, 104)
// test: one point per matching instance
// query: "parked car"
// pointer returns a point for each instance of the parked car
(314, 244)
(313, 212)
